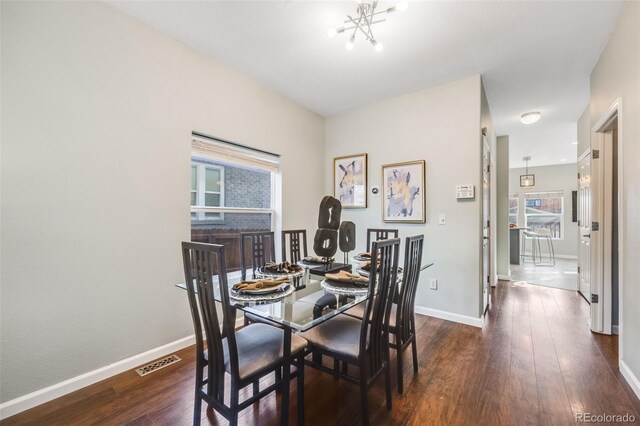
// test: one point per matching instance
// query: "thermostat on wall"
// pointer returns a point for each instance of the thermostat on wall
(465, 192)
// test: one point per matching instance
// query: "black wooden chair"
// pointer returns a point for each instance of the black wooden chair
(363, 343)
(245, 355)
(297, 240)
(263, 250)
(402, 322)
(380, 234)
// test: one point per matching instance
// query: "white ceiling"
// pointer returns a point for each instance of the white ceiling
(532, 55)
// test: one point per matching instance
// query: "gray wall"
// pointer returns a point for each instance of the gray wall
(502, 224)
(617, 75)
(97, 114)
(442, 126)
(552, 178)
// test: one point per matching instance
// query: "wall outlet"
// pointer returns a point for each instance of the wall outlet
(442, 219)
(434, 284)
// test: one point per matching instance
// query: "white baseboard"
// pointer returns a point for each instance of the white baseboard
(449, 316)
(615, 329)
(504, 277)
(630, 377)
(41, 396)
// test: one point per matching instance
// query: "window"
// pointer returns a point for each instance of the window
(233, 189)
(513, 208)
(545, 210)
(207, 188)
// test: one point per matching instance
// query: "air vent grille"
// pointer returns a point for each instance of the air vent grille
(157, 365)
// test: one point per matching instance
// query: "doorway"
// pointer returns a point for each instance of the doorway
(584, 224)
(486, 222)
(606, 212)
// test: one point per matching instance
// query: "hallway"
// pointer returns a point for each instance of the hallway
(564, 275)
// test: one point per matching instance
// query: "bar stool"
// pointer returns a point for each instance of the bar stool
(532, 237)
(544, 233)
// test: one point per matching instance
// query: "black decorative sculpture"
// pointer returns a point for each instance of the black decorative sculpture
(325, 242)
(347, 238)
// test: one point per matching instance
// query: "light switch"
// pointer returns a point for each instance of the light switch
(442, 219)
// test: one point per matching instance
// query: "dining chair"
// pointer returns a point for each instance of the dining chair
(402, 322)
(246, 355)
(364, 344)
(297, 245)
(263, 250)
(380, 234)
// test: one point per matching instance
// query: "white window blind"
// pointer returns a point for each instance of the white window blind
(234, 154)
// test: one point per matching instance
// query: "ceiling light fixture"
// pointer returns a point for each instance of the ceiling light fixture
(530, 117)
(365, 19)
(527, 179)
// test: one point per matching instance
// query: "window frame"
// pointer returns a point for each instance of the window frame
(201, 190)
(560, 215)
(514, 196)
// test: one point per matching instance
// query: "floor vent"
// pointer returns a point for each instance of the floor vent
(157, 365)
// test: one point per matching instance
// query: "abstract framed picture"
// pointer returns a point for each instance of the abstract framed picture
(404, 192)
(350, 180)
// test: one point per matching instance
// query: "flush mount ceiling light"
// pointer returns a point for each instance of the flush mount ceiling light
(530, 117)
(366, 17)
(527, 179)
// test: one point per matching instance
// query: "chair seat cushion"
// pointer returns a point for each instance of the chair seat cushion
(358, 312)
(260, 349)
(339, 335)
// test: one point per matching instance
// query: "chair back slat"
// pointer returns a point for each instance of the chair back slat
(263, 250)
(380, 234)
(382, 287)
(297, 244)
(203, 265)
(405, 319)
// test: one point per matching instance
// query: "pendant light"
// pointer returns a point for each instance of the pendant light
(527, 179)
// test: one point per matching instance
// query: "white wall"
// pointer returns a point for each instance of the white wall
(97, 113)
(442, 126)
(617, 74)
(502, 223)
(552, 178)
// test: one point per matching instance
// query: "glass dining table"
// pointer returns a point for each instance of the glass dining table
(308, 305)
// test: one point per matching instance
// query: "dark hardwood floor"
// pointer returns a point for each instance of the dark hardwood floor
(534, 362)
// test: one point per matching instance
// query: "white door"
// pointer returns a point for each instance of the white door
(584, 223)
(486, 205)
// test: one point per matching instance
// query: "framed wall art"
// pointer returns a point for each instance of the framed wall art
(350, 180)
(404, 192)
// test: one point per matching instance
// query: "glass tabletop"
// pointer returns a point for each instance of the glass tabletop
(307, 306)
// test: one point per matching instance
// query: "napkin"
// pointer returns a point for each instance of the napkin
(365, 266)
(281, 268)
(347, 277)
(259, 284)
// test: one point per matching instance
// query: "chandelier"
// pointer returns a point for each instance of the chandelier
(366, 16)
(527, 179)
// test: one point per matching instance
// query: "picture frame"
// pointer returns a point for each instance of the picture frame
(404, 186)
(350, 181)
